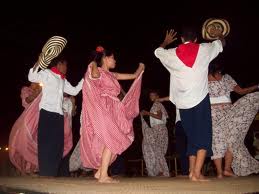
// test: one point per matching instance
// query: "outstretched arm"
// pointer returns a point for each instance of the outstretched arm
(125, 76)
(243, 91)
(163, 99)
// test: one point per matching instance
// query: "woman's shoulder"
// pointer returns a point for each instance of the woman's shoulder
(158, 104)
(227, 77)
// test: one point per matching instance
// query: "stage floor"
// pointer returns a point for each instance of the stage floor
(128, 185)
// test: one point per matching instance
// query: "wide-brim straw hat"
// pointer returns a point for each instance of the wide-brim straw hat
(220, 24)
(52, 48)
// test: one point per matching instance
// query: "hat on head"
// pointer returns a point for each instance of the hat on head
(52, 48)
(215, 24)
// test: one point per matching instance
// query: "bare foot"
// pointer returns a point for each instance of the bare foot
(198, 177)
(229, 173)
(220, 176)
(107, 180)
(161, 174)
(190, 174)
(97, 174)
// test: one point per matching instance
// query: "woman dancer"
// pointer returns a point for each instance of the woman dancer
(230, 123)
(106, 129)
(155, 138)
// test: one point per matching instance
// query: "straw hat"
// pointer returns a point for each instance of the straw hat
(212, 24)
(52, 48)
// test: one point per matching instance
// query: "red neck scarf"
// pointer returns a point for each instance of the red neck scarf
(187, 53)
(56, 71)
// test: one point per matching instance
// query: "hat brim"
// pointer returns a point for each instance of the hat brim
(52, 48)
(221, 23)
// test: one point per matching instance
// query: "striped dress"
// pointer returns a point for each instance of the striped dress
(106, 121)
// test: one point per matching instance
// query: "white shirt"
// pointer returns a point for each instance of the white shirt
(53, 88)
(189, 86)
(177, 117)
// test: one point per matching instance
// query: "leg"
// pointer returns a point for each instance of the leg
(197, 176)
(181, 147)
(196, 122)
(192, 161)
(106, 159)
(218, 164)
(228, 161)
(50, 142)
(64, 167)
(161, 149)
(97, 173)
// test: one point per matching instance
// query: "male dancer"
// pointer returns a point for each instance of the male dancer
(51, 120)
(188, 66)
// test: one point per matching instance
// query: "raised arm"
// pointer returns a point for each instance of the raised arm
(218, 33)
(125, 76)
(35, 76)
(94, 71)
(169, 38)
(166, 56)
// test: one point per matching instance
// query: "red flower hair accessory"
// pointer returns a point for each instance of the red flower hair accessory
(99, 49)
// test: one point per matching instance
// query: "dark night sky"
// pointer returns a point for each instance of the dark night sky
(132, 30)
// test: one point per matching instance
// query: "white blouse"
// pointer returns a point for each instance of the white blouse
(53, 88)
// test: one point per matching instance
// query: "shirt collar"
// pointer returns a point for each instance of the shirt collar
(56, 71)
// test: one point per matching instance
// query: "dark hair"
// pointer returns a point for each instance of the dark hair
(98, 55)
(55, 61)
(155, 91)
(188, 33)
(214, 68)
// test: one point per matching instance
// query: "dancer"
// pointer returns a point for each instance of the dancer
(19, 150)
(188, 66)
(75, 162)
(28, 94)
(230, 123)
(155, 138)
(51, 119)
(106, 129)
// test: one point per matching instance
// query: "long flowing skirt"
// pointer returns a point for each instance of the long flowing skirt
(230, 126)
(154, 148)
(23, 151)
(106, 121)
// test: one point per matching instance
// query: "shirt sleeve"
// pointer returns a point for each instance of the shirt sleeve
(69, 89)
(213, 49)
(229, 82)
(156, 107)
(166, 57)
(35, 76)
